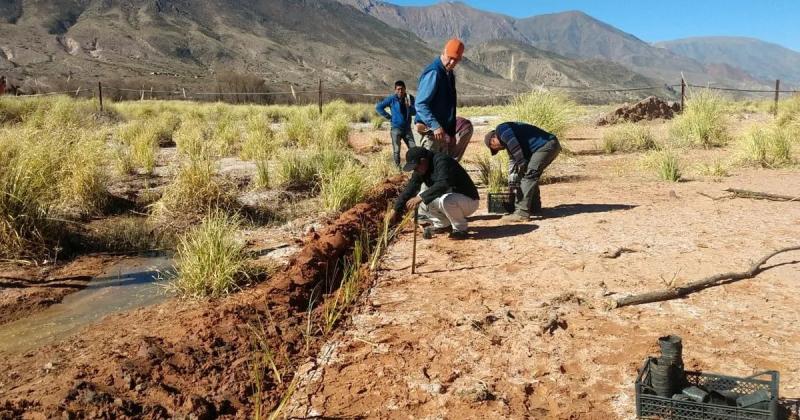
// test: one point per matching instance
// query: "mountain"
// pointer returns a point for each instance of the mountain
(522, 63)
(572, 34)
(764, 60)
(191, 42)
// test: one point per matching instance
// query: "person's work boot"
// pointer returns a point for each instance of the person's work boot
(429, 231)
(458, 235)
(515, 218)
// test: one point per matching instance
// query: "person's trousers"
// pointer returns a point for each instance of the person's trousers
(528, 198)
(453, 146)
(405, 135)
(451, 209)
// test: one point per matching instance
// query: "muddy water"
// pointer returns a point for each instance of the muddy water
(129, 284)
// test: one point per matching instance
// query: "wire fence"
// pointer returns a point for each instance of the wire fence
(321, 95)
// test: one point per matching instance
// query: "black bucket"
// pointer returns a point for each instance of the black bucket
(500, 203)
(672, 349)
(664, 378)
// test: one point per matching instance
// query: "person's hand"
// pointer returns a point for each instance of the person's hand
(421, 128)
(438, 134)
(413, 203)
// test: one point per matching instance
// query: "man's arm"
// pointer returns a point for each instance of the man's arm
(411, 190)
(512, 146)
(427, 86)
(380, 108)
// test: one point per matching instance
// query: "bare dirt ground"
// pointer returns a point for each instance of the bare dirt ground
(466, 336)
(512, 323)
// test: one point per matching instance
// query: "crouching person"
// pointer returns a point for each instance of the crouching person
(450, 196)
(531, 150)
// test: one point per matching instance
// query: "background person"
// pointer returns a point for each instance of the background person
(402, 106)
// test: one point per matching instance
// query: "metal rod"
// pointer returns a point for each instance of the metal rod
(777, 94)
(100, 94)
(414, 246)
(683, 93)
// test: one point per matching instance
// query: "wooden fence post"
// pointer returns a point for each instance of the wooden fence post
(777, 95)
(184, 92)
(100, 94)
(319, 96)
(683, 93)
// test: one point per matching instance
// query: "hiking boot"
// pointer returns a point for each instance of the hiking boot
(515, 218)
(429, 231)
(458, 235)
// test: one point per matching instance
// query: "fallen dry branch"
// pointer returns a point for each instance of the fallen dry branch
(705, 283)
(755, 195)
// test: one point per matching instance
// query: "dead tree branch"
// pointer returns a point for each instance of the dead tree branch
(755, 195)
(696, 286)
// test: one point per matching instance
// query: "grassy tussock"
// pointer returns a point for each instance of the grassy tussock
(664, 163)
(550, 111)
(301, 127)
(628, 137)
(296, 169)
(127, 234)
(336, 132)
(350, 112)
(211, 260)
(382, 166)
(715, 169)
(789, 112)
(767, 146)
(493, 171)
(702, 123)
(259, 139)
(195, 190)
(344, 187)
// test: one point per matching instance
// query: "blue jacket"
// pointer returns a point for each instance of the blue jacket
(398, 118)
(521, 140)
(436, 98)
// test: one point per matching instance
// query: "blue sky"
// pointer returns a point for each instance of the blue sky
(775, 21)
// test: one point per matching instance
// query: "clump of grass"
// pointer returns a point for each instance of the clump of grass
(789, 112)
(211, 260)
(297, 169)
(344, 188)
(127, 234)
(82, 179)
(715, 169)
(262, 179)
(195, 190)
(767, 146)
(259, 140)
(493, 171)
(702, 123)
(300, 127)
(226, 133)
(628, 137)
(336, 131)
(193, 140)
(382, 166)
(330, 160)
(550, 111)
(664, 163)
(377, 121)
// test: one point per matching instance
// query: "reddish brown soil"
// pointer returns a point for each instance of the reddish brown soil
(28, 289)
(187, 358)
(650, 108)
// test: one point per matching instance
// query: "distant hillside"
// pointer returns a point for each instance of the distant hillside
(764, 60)
(572, 34)
(521, 62)
(197, 42)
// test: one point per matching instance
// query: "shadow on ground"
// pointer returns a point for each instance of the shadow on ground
(566, 210)
(503, 231)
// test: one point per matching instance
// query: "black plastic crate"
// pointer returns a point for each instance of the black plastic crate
(650, 405)
(500, 203)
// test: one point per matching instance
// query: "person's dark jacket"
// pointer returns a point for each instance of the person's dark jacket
(444, 175)
(401, 113)
(437, 98)
(522, 140)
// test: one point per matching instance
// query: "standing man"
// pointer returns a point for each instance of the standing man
(531, 151)
(450, 196)
(436, 97)
(402, 107)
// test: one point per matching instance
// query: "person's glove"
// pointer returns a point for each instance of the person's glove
(513, 179)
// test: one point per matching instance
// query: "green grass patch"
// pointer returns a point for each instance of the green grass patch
(702, 123)
(550, 111)
(767, 146)
(664, 163)
(211, 260)
(628, 137)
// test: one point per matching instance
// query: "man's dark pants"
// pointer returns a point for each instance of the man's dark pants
(406, 136)
(528, 200)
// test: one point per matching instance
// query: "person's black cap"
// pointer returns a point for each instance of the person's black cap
(413, 156)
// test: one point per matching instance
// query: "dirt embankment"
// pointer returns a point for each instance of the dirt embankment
(190, 358)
